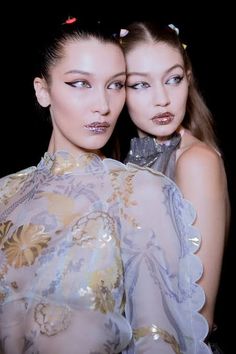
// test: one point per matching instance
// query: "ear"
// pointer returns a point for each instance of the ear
(42, 92)
(189, 76)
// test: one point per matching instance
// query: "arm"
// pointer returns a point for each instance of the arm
(201, 177)
(162, 297)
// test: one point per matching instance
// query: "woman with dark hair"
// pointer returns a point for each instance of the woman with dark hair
(95, 256)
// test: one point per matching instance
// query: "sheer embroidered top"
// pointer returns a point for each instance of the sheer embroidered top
(159, 156)
(97, 257)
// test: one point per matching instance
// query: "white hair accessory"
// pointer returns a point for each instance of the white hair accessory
(174, 28)
(123, 32)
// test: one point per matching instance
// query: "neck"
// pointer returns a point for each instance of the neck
(181, 130)
(75, 151)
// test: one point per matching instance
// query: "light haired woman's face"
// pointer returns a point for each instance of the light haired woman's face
(157, 89)
(86, 94)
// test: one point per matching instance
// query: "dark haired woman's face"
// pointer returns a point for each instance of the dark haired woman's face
(157, 88)
(86, 94)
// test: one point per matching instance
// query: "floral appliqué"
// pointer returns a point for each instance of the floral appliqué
(25, 245)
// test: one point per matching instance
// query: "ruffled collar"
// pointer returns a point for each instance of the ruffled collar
(145, 151)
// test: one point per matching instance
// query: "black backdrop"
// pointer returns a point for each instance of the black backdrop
(210, 36)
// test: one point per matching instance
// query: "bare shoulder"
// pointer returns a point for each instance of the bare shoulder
(200, 174)
(199, 154)
(196, 156)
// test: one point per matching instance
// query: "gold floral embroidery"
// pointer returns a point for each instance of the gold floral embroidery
(61, 206)
(66, 163)
(123, 191)
(94, 226)
(25, 244)
(4, 228)
(97, 229)
(2, 296)
(104, 301)
(14, 285)
(157, 333)
(102, 283)
(3, 271)
(52, 319)
(13, 183)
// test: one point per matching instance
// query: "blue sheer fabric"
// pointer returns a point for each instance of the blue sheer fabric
(97, 257)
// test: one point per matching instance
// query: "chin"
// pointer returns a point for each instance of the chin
(96, 147)
(164, 131)
(165, 135)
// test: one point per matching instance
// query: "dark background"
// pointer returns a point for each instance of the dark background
(210, 36)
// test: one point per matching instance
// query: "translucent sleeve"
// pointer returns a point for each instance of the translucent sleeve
(161, 270)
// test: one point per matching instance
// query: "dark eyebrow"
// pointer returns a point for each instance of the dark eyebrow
(146, 74)
(82, 72)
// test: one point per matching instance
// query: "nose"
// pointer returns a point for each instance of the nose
(161, 97)
(101, 103)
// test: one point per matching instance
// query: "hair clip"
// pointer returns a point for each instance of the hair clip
(70, 20)
(123, 32)
(174, 28)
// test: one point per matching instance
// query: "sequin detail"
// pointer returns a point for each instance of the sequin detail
(159, 156)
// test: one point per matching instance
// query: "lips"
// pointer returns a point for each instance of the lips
(97, 127)
(163, 118)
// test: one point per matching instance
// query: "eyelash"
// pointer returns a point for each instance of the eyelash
(135, 86)
(75, 84)
(84, 84)
(119, 85)
(177, 80)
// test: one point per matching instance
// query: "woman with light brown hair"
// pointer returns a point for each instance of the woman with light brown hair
(174, 135)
